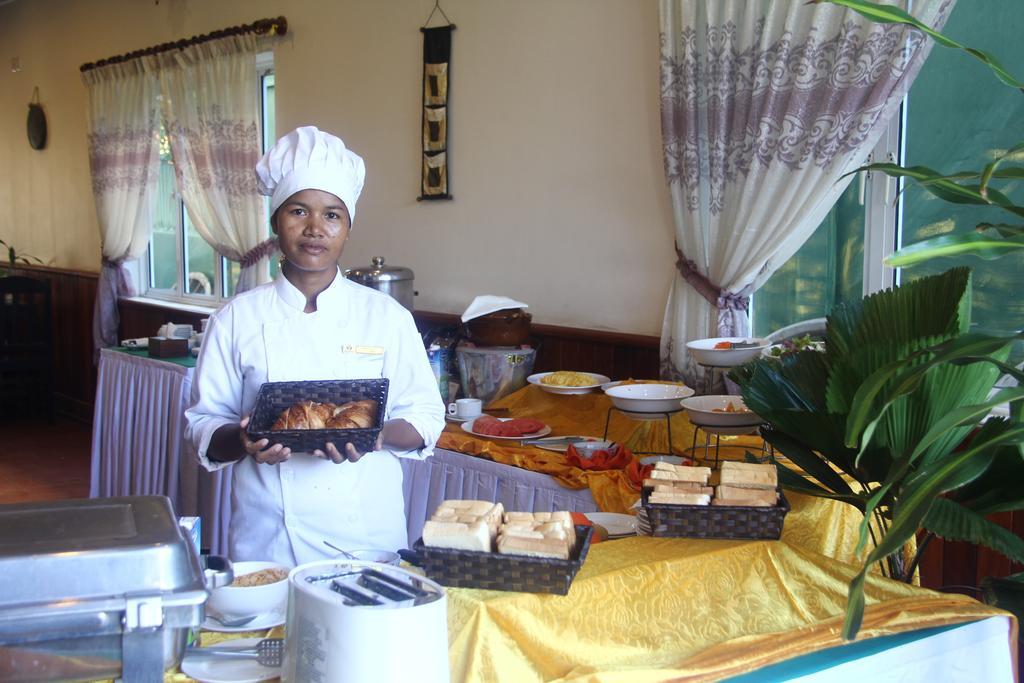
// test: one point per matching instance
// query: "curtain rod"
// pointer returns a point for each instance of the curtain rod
(278, 26)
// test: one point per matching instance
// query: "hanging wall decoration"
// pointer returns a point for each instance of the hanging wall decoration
(36, 122)
(437, 49)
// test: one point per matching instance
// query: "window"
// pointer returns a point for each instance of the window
(180, 265)
(956, 117)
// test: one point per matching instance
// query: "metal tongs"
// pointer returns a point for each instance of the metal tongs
(268, 652)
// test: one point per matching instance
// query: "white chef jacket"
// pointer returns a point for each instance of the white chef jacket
(285, 512)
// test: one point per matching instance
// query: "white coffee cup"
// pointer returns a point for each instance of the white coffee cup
(466, 408)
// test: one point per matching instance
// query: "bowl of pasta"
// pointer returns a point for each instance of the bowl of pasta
(720, 411)
(567, 381)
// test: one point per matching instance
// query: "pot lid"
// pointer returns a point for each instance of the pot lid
(378, 272)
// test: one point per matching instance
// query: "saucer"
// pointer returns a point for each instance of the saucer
(260, 623)
(459, 420)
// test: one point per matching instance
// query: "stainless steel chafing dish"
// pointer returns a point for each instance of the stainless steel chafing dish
(101, 588)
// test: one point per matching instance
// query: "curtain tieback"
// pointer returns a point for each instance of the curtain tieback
(715, 295)
(261, 250)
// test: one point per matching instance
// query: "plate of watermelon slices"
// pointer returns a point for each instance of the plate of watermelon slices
(513, 428)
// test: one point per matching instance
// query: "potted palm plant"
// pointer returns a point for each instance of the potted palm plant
(891, 416)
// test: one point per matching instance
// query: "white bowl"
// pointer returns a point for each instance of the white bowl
(705, 353)
(381, 556)
(648, 398)
(711, 411)
(240, 601)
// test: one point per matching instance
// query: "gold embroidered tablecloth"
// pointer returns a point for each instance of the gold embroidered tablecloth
(652, 609)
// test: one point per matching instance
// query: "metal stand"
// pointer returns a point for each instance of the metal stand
(716, 434)
(668, 426)
(709, 377)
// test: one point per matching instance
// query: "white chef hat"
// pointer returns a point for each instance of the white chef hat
(309, 159)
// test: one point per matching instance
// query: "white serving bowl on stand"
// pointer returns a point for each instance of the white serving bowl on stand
(648, 400)
(705, 353)
(712, 411)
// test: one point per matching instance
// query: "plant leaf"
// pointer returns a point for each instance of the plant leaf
(970, 243)
(986, 175)
(888, 14)
(953, 522)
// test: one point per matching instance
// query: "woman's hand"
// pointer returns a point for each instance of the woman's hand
(397, 433)
(261, 451)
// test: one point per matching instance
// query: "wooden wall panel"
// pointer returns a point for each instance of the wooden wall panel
(72, 296)
(614, 354)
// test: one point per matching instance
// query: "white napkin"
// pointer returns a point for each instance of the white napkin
(486, 303)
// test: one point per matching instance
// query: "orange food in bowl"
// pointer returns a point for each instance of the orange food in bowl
(724, 345)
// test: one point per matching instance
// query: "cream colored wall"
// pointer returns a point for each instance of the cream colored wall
(560, 200)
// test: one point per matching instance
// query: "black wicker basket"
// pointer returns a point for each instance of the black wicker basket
(716, 521)
(494, 571)
(275, 397)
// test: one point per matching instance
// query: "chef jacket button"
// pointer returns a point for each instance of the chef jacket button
(353, 518)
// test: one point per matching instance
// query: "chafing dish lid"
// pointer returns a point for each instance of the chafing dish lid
(94, 548)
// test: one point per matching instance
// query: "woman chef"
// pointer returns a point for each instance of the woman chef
(312, 324)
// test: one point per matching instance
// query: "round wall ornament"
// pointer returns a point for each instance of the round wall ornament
(36, 122)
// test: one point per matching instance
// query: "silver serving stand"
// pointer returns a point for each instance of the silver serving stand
(632, 414)
(714, 433)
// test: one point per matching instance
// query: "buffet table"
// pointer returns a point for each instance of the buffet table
(650, 609)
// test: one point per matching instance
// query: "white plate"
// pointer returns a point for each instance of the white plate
(260, 623)
(228, 670)
(615, 523)
(555, 389)
(468, 427)
(705, 353)
(460, 420)
(559, 447)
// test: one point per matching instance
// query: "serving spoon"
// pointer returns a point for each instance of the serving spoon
(227, 621)
(343, 552)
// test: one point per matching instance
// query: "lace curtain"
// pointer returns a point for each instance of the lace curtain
(124, 159)
(764, 105)
(211, 106)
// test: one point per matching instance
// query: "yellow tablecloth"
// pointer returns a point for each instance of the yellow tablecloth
(584, 415)
(650, 609)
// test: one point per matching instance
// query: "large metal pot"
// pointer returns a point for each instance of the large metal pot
(395, 281)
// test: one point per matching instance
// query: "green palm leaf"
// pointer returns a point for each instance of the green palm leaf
(888, 14)
(953, 522)
(988, 247)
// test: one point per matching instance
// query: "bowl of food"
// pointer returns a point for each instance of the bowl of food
(258, 588)
(720, 411)
(726, 352)
(567, 381)
(648, 398)
(588, 449)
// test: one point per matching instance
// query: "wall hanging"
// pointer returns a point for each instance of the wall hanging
(437, 50)
(36, 122)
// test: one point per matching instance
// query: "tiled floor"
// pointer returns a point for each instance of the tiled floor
(42, 460)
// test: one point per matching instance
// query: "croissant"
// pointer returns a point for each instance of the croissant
(314, 415)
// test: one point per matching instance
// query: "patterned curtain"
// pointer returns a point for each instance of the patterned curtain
(124, 159)
(764, 105)
(211, 106)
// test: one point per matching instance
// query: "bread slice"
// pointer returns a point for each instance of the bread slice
(533, 547)
(697, 475)
(729, 491)
(743, 502)
(476, 507)
(675, 487)
(457, 535)
(679, 498)
(763, 479)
